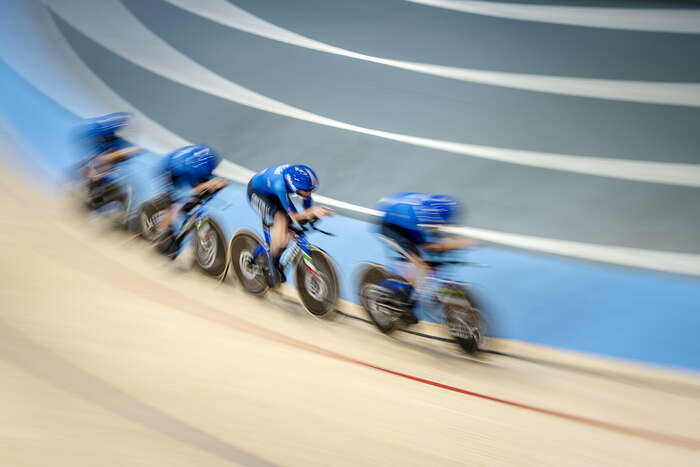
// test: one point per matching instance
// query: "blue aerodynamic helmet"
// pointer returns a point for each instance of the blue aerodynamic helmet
(437, 209)
(106, 125)
(98, 134)
(193, 163)
(300, 177)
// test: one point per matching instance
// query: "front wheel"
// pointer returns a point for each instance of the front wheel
(209, 247)
(463, 317)
(317, 282)
(250, 271)
(373, 297)
(149, 217)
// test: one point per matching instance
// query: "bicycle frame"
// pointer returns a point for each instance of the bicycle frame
(439, 285)
(193, 219)
(436, 287)
(301, 247)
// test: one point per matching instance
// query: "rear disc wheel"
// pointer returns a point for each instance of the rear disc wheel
(463, 320)
(372, 297)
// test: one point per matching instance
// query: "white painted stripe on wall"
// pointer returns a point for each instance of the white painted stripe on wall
(110, 24)
(633, 19)
(685, 94)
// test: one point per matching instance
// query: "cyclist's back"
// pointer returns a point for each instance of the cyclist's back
(186, 168)
(269, 192)
(271, 181)
(99, 136)
(400, 225)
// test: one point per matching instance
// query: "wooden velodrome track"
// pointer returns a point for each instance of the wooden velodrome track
(111, 356)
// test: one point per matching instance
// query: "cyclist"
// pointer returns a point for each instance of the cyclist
(187, 175)
(269, 193)
(105, 151)
(409, 227)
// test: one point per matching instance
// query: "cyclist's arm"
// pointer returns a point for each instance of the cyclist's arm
(451, 243)
(310, 212)
(110, 157)
(308, 202)
(418, 262)
(212, 185)
(305, 215)
(279, 188)
(105, 160)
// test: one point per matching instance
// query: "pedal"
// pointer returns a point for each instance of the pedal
(275, 280)
(272, 281)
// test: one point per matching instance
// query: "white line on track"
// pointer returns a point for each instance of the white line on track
(686, 94)
(634, 19)
(119, 31)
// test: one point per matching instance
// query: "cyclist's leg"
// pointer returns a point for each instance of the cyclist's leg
(279, 239)
(167, 220)
(173, 201)
(279, 233)
(405, 264)
(275, 222)
(419, 271)
(93, 185)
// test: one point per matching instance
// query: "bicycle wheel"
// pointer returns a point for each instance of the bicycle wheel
(462, 317)
(372, 295)
(209, 247)
(250, 272)
(318, 287)
(149, 216)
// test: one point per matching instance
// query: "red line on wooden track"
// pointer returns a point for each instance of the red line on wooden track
(211, 313)
(650, 435)
(675, 440)
(181, 301)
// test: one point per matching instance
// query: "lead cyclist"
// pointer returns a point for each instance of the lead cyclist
(270, 193)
